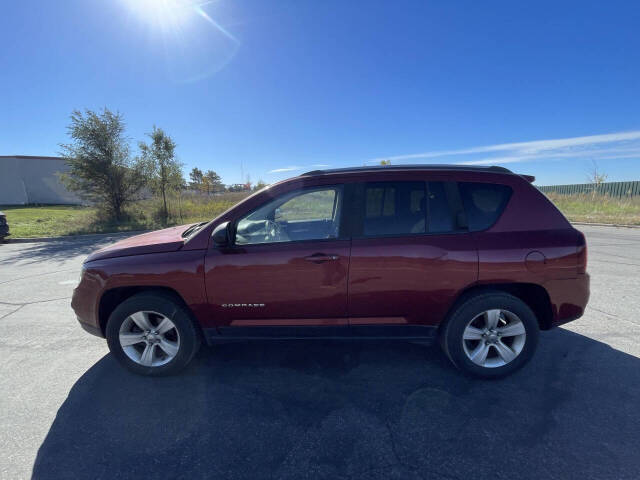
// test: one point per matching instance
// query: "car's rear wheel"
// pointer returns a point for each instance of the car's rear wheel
(152, 334)
(490, 335)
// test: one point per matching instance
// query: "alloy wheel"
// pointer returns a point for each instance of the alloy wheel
(149, 338)
(494, 338)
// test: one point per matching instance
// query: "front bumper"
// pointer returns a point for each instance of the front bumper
(93, 330)
(84, 303)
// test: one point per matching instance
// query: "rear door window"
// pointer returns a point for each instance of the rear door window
(394, 208)
(483, 203)
(411, 208)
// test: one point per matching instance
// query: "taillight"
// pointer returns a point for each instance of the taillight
(582, 252)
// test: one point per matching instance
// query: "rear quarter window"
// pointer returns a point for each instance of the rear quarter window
(483, 203)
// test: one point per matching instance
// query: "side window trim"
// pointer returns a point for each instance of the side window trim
(340, 189)
(454, 203)
(456, 206)
(351, 195)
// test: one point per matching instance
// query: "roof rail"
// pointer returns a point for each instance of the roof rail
(411, 167)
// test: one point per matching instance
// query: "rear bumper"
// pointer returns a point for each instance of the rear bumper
(569, 298)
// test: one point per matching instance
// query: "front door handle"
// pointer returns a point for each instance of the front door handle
(321, 258)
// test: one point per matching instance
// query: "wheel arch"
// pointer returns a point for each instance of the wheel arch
(533, 295)
(111, 298)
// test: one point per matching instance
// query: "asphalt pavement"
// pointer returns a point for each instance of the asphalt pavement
(315, 409)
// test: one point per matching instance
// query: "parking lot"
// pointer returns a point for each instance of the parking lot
(334, 410)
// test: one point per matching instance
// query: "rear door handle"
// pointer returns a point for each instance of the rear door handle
(321, 258)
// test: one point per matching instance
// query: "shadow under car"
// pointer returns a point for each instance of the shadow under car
(331, 409)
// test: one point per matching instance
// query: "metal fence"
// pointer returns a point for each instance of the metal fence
(613, 189)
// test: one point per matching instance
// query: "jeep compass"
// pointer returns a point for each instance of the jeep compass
(475, 258)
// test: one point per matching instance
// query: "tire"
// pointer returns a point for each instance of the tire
(152, 334)
(467, 334)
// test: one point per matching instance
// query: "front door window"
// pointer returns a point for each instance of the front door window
(296, 216)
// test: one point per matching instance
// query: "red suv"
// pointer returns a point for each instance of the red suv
(475, 257)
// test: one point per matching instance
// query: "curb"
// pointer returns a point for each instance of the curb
(71, 237)
(617, 225)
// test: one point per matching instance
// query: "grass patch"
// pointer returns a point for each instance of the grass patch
(598, 208)
(59, 220)
(47, 221)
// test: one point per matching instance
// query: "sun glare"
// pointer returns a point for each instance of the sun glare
(194, 44)
(164, 13)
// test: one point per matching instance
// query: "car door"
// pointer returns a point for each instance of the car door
(411, 254)
(287, 265)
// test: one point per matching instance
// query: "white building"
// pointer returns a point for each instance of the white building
(26, 179)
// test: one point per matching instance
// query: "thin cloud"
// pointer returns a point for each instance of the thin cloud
(293, 168)
(602, 146)
(285, 169)
(604, 153)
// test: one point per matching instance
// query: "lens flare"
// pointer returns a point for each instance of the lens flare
(205, 15)
(195, 45)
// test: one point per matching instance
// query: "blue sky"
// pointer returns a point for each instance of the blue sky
(272, 88)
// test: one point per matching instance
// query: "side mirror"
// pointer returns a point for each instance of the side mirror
(220, 235)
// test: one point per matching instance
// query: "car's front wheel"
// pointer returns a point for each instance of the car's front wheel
(490, 335)
(152, 334)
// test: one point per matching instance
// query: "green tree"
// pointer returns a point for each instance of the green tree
(164, 172)
(101, 170)
(384, 163)
(212, 183)
(196, 179)
(260, 185)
